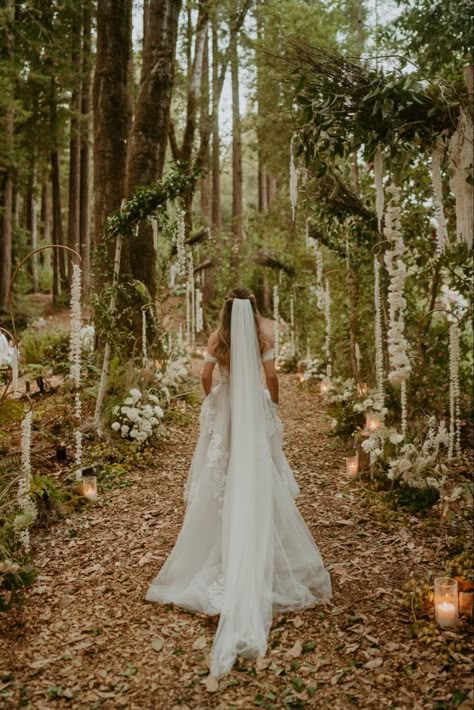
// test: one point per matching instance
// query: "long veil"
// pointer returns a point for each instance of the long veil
(247, 532)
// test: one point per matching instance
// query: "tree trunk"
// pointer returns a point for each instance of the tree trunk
(237, 206)
(6, 177)
(73, 228)
(148, 135)
(84, 196)
(31, 227)
(60, 282)
(111, 117)
(205, 182)
(216, 168)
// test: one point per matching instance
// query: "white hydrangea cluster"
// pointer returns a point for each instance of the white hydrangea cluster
(421, 466)
(139, 417)
(341, 390)
(371, 404)
(7, 352)
(312, 369)
(374, 445)
(176, 373)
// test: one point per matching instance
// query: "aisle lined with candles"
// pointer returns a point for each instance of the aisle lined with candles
(85, 638)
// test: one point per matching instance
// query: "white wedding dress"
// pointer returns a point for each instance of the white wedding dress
(243, 551)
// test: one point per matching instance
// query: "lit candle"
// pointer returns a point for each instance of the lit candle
(446, 601)
(89, 484)
(352, 464)
(372, 422)
(324, 387)
(301, 378)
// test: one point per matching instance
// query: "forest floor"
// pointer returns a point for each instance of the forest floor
(85, 638)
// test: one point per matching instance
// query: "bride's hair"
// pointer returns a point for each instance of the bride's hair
(222, 348)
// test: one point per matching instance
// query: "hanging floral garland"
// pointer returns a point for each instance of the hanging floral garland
(154, 227)
(319, 277)
(454, 392)
(403, 403)
(441, 230)
(75, 360)
(293, 181)
(397, 345)
(180, 244)
(379, 369)
(199, 312)
(276, 320)
(292, 325)
(378, 180)
(460, 163)
(27, 516)
(327, 342)
(144, 343)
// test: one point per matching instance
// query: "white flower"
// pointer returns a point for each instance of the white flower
(135, 393)
(153, 398)
(158, 412)
(396, 438)
(124, 430)
(116, 426)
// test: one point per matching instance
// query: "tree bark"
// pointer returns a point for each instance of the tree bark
(6, 177)
(205, 181)
(148, 135)
(237, 205)
(73, 228)
(84, 196)
(111, 117)
(31, 226)
(216, 167)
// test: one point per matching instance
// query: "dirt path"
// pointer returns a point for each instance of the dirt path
(85, 637)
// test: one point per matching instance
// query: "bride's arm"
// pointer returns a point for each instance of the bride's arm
(208, 367)
(271, 378)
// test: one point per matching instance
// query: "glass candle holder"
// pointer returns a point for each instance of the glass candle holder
(324, 387)
(89, 485)
(446, 601)
(352, 465)
(372, 421)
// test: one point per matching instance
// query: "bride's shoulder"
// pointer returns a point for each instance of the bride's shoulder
(212, 342)
(267, 327)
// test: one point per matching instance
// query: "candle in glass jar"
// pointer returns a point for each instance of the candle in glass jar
(446, 601)
(324, 387)
(446, 614)
(352, 465)
(89, 486)
(372, 422)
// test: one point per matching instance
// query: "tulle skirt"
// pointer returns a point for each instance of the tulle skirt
(192, 575)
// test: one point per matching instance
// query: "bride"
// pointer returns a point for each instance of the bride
(244, 551)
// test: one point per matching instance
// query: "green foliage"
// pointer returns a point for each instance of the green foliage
(47, 348)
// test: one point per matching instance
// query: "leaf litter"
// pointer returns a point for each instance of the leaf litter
(85, 638)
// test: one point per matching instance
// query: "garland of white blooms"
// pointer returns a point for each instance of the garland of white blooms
(27, 516)
(144, 343)
(180, 245)
(292, 325)
(378, 180)
(199, 313)
(276, 319)
(75, 350)
(293, 181)
(460, 163)
(379, 369)
(14, 369)
(327, 342)
(441, 229)
(154, 227)
(454, 392)
(319, 277)
(397, 345)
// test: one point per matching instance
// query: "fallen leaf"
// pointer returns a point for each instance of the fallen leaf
(200, 643)
(157, 644)
(374, 663)
(295, 650)
(297, 621)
